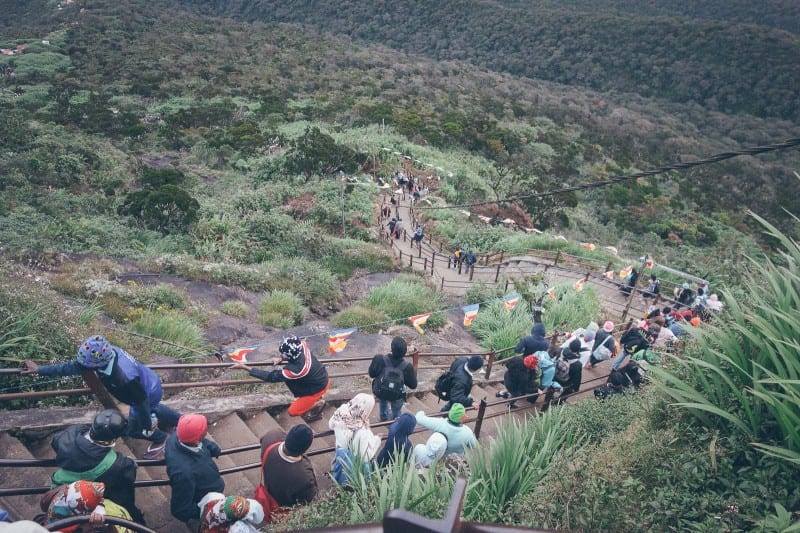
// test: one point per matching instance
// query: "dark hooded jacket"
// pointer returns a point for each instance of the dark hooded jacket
(77, 454)
(397, 439)
(535, 342)
(396, 359)
(461, 384)
(519, 379)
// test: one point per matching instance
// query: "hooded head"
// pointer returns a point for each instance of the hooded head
(431, 451)
(538, 330)
(399, 348)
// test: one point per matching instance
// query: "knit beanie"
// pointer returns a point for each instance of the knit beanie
(475, 362)
(575, 346)
(399, 347)
(298, 440)
(292, 348)
(456, 413)
(531, 362)
(191, 428)
(608, 326)
(236, 507)
(695, 321)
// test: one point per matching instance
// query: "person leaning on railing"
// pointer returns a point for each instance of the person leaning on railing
(128, 380)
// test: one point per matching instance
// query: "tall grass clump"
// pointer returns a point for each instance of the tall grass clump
(367, 319)
(280, 309)
(515, 461)
(183, 336)
(235, 308)
(744, 377)
(497, 329)
(405, 296)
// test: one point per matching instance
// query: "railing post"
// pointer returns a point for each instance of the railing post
(425, 265)
(558, 256)
(497, 273)
(415, 361)
(479, 419)
(608, 267)
(441, 246)
(433, 262)
(442, 287)
(471, 271)
(99, 390)
(506, 287)
(502, 254)
(490, 363)
(419, 250)
(411, 260)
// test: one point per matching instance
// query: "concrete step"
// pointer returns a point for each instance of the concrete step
(232, 432)
(21, 507)
(238, 483)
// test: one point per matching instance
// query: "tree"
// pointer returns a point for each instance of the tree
(316, 153)
(161, 204)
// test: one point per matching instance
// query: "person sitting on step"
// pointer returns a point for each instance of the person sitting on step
(288, 473)
(459, 436)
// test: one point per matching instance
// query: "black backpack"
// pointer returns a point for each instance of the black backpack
(562, 369)
(443, 385)
(389, 385)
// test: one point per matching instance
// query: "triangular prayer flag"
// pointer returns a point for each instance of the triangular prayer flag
(337, 340)
(419, 320)
(588, 246)
(470, 312)
(240, 354)
(625, 272)
(578, 285)
(551, 292)
(649, 263)
(510, 302)
(609, 274)
(612, 250)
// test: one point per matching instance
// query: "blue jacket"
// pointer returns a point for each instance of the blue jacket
(128, 380)
(397, 439)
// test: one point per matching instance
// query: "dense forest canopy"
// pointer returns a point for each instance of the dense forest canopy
(724, 66)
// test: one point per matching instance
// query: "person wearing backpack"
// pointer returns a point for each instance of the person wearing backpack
(653, 288)
(570, 377)
(535, 342)
(391, 376)
(604, 347)
(469, 260)
(288, 473)
(461, 372)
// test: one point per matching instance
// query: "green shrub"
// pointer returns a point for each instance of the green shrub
(359, 315)
(481, 292)
(315, 285)
(406, 296)
(183, 335)
(497, 329)
(235, 308)
(280, 309)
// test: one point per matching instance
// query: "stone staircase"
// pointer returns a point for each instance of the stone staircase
(233, 422)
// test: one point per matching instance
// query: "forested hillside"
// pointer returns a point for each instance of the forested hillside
(724, 66)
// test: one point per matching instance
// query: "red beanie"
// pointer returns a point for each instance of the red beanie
(192, 428)
(531, 362)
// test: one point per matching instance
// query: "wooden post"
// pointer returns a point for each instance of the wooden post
(442, 287)
(411, 260)
(490, 363)
(608, 267)
(419, 251)
(471, 271)
(558, 256)
(99, 390)
(506, 287)
(479, 420)
(425, 265)
(502, 254)
(497, 273)
(415, 361)
(433, 261)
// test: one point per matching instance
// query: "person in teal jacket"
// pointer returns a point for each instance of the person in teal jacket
(459, 437)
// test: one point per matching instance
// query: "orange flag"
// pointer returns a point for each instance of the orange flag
(419, 320)
(240, 354)
(551, 292)
(588, 246)
(609, 274)
(578, 285)
(625, 272)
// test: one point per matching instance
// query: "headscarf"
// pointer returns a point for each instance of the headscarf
(354, 414)
(218, 513)
(78, 498)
